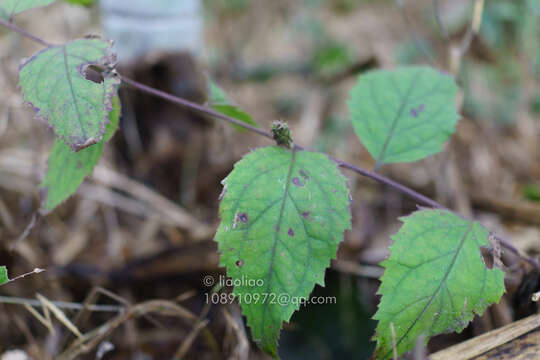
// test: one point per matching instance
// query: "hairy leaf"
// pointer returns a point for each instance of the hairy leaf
(53, 81)
(283, 214)
(435, 280)
(220, 103)
(10, 8)
(67, 169)
(405, 114)
(3, 275)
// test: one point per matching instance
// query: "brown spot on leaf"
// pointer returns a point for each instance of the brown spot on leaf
(243, 217)
(79, 164)
(91, 141)
(305, 214)
(296, 181)
(487, 256)
(415, 112)
(290, 232)
(239, 263)
(94, 74)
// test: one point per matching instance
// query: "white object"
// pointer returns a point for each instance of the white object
(15, 355)
(142, 26)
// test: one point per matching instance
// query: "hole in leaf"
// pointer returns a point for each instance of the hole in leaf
(239, 263)
(94, 74)
(487, 256)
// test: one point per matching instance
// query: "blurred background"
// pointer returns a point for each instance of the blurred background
(141, 228)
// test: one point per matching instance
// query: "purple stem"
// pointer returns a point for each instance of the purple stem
(203, 109)
(24, 33)
(192, 105)
(384, 180)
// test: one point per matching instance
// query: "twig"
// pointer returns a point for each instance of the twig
(234, 320)
(481, 344)
(188, 341)
(61, 304)
(47, 306)
(35, 271)
(36, 216)
(440, 24)
(167, 208)
(429, 57)
(351, 267)
(386, 181)
(192, 105)
(465, 45)
(91, 339)
(24, 33)
(203, 109)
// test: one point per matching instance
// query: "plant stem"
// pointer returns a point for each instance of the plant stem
(386, 181)
(206, 110)
(24, 33)
(192, 105)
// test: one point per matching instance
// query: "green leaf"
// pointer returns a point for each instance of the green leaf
(331, 58)
(217, 94)
(67, 169)
(4, 279)
(283, 213)
(81, 2)
(53, 82)
(531, 192)
(435, 280)
(220, 103)
(403, 115)
(10, 8)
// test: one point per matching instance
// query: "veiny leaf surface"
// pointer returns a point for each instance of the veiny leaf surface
(10, 8)
(3, 275)
(435, 280)
(283, 214)
(220, 103)
(53, 82)
(67, 169)
(403, 115)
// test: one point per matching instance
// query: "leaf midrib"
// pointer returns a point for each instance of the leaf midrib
(443, 281)
(278, 227)
(68, 76)
(393, 126)
(14, 10)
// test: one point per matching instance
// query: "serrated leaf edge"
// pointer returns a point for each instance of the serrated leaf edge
(479, 310)
(321, 282)
(43, 192)
(110, 92)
